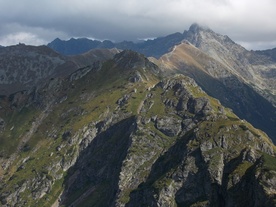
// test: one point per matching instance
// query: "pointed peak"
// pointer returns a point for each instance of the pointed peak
(57, 40)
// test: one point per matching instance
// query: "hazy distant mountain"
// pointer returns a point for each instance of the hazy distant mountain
(77, 46)
(154, 48)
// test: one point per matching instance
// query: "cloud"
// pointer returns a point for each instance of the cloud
(250, 21)
(19, 37)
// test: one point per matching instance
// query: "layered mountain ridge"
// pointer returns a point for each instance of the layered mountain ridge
(155, 47)
(116, 128)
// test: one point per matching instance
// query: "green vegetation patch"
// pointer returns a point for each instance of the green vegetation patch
(17, 124)
(269, 162)
(242, 168)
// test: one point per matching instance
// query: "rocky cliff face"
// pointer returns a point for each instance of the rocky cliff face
(116, 133)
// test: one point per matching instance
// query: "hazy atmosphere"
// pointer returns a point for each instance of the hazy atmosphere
(251, 23)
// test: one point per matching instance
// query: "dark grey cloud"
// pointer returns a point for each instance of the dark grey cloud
(249, 22)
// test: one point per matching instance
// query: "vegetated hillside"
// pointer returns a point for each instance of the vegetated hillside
(155, 47)
(119, 134)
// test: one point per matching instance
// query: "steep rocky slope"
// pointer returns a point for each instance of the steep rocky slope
(211, 60)
(116, 133)
(254, 69)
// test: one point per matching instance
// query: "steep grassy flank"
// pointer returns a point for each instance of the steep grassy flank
(17, 124)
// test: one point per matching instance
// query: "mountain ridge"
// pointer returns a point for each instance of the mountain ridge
(76, 46)
(114, 135)
(155, 47)
(120, 129)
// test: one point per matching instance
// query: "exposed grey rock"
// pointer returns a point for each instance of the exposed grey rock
(199, 105)
(136, 77)
(169, 126)
(122, 101)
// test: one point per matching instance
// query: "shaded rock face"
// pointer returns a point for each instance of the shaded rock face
(97, 170)
(199, 105)
(168, 126)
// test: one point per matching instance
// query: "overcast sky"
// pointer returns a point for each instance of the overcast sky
(248, 22)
